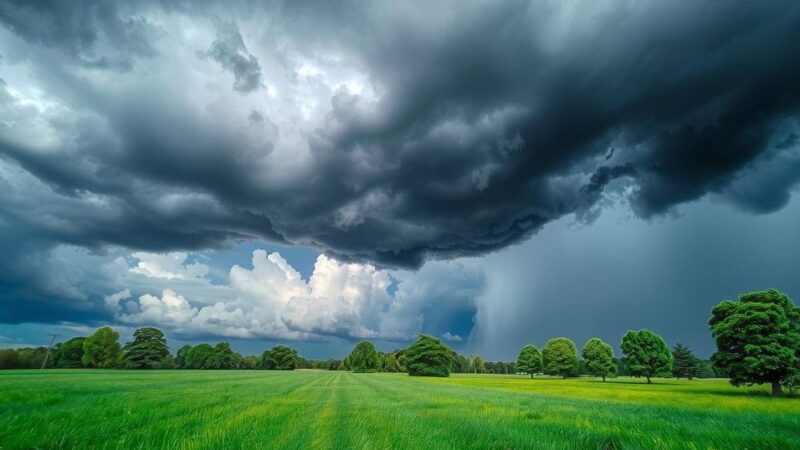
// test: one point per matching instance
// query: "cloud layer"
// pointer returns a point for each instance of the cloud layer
(386, 133)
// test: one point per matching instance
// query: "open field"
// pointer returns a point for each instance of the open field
(318, 409)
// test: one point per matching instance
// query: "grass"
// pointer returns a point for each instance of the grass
(336, 410)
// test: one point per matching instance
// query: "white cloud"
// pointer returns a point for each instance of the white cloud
(447, 336)
(168, 265)
(112, 301)
(272, 300)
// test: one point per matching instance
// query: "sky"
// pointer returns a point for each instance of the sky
(491, 173)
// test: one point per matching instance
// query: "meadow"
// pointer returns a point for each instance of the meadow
(335, 410)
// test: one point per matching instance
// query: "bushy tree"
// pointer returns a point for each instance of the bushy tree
(250, 362)
(279, 357)
(182, 355)
(390, 363)
(427, 356)
(199, 356)
(460, 364)
(222, 357)
(478, 366)
(560, 357)
(102, 349)
(529, 360)
(684, 363)
(9, 359)
(646, 354)
(148, 348)
(599, 358)
(758, 338)
(364, 357)
(69, 354)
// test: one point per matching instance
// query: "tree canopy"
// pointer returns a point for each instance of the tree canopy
(279, 357)
(427, 356)
(364, 357)
(599, 358)
(529, 360)
(69, 354)
(560, 357)
(646, 354)
(147, 350)
(758, 338)
(102, 349)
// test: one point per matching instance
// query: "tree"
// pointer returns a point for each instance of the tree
(646, 354)
(102, 349)
(599, 358)
(279, 357)
(684, 363)
(182, 355)
(250, 362)
(758, 338)
(197, 357)
(9, 359)
(69, 354)
(221, 357)
(560, 357)
(427, 356)
(478, 366)
(147, 349)
(390, 363)
(364, 357)
(529, 360)
(460, 364)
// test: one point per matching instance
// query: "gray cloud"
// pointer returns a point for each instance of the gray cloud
(399, 134)
(229, 51)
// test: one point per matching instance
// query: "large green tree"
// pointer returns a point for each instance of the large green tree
(684, 363)
(198, 357)
(279, 357)
(223, 357)
(364, 357)
(529, 360)
(147, 350)
(427, 356)
(102, 349)
(390, 363)
(69, 354)
(646, 354)
(599, 358)
(560, 357)
(758, 338)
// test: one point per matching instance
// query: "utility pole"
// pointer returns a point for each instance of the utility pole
(47, 354)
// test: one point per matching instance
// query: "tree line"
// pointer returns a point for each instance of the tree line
(757, 337)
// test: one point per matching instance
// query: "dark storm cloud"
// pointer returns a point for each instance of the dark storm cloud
(489, 121)
(76, 29)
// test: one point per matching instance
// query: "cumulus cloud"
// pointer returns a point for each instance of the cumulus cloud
(168, 266)
(272, 300)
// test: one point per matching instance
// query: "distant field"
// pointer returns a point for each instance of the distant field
(318, 409)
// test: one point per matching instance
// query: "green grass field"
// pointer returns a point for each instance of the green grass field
(318, 409)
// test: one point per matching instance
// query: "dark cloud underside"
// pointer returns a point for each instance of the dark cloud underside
(482, 121)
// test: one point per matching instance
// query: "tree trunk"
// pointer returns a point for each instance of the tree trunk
(648, 379)
(604, 378)
(777, 391)
(531, 375)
